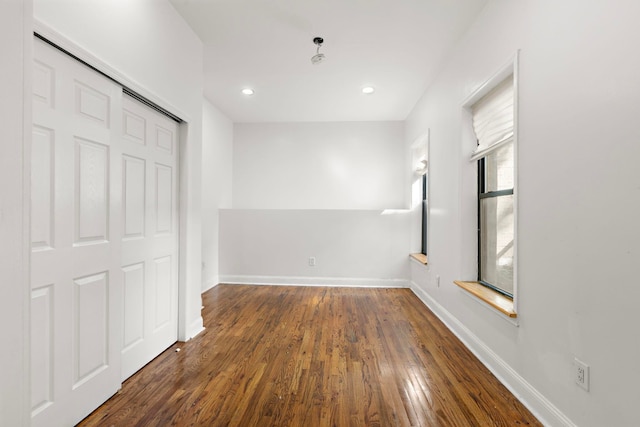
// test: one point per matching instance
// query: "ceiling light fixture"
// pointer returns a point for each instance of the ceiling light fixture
(248, 91)
(318, 57)
(368, 90)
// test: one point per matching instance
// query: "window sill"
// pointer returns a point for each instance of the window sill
(421, 258)
(491, 297)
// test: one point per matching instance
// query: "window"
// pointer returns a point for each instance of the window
(495, 220)
(493, 125)
(419, 195)
(425, 211)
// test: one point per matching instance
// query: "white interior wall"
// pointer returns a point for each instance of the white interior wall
(578, 234)
(148, 44)
(217, 155)
(326, 165)
(351, 247)
(318, 190)
(15, 110)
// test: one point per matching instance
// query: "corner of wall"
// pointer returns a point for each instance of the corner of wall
(210, 283)
(195, 328)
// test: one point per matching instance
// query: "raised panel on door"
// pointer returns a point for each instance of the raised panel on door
(134, 127)
(42, 348)
(165, 139)
(91, 192)
(43, 83)
(162, 291)
(134, 197)
(150, 200)
(91, 326)
(164, 199)
(76, 279)
(134, 309)
(92, 104)
(42, 188)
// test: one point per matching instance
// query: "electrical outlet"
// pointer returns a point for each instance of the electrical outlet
(581, 373)
(312, 261)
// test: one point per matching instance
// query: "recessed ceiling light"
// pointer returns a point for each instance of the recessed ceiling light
(248, 91)
(368, 90)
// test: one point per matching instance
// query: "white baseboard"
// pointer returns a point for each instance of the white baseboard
(314, 281)
(542, 408)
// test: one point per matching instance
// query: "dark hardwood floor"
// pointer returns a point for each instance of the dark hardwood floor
(314, 356)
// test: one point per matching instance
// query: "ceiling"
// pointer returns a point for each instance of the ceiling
(393, 45)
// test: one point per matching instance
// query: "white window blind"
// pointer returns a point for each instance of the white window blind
(493, 119)
(421, 167)
(419, 158)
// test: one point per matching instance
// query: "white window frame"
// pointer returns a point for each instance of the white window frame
(470, 146)
(419, 151)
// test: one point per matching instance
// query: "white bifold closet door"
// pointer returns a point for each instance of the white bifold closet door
(104, 238)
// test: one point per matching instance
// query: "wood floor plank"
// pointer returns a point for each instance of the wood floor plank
(314, 356)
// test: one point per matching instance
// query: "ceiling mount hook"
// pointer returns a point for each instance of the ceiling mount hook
(318, 57)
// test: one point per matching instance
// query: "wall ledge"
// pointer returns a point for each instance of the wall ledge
(421, 258)
(495, 299)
